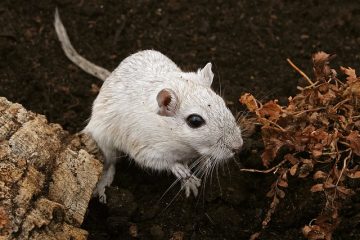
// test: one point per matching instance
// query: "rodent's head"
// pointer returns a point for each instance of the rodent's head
(199, 117)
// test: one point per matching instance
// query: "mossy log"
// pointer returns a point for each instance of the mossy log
(46, 176)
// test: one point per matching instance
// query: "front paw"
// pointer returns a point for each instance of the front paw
(100, 192)
(191, 184)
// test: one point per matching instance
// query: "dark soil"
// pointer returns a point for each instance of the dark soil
(248, 42)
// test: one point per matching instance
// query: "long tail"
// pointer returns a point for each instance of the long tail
(74, 56)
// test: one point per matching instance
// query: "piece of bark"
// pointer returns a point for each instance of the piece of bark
(46, 176)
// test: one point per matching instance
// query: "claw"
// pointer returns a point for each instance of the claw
(100, 192)
(189, 182)
(102, 198)
(191, 185)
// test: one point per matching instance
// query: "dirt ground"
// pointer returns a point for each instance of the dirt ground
(248, 43)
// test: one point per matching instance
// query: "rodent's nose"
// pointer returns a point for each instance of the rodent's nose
(238, 146)
(237, 150)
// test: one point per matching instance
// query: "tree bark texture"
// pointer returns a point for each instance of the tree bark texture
(46, 176)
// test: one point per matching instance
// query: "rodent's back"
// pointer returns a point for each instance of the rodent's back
(138, 77)
(147, 63)
(128, 96)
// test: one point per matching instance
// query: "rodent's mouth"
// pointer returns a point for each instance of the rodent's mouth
(225, 156)
(237, 151)
(219, 152)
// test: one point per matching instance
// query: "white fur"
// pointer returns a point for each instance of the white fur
(125, 118)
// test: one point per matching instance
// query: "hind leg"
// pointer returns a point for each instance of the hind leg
(107, 176)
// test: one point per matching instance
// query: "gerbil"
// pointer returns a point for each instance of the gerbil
(162, 117)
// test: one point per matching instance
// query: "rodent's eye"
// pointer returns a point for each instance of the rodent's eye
(195, 121)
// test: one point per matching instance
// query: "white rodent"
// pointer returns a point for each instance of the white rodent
(161, 117)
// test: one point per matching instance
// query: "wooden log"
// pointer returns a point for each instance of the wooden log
(46, 176)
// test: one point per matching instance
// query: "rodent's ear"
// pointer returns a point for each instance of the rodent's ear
(168, 102)
(207, 74)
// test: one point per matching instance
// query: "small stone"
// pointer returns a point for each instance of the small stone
(94, 89)
(133, 231)
(304, 36)
(212, 38)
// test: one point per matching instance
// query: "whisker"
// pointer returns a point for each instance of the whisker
(168, 189)
(218, 180)
(206, 171)
(203, 185)
(211, 173)
(227, 166)
(238, 164)
(172, 200)
(219, 80)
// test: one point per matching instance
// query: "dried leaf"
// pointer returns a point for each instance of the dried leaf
(354, 175)
(271, 210)
(353, 89)
(317, 150)
(345, 190)
(354, 139)
(319, 175)
(270, 110)
(280, 193)
(322, 69)
(270, 193)
(317, 187)
(351, 75)
(255, 236)
(321, 57)
(293, 169)
(316, 235)
(293, 160)
(320, 135)
(250, 102)
(283, 183)
(306, 168)
(272, 147)
(314, 232)
(328, 184)
(357, 124)
(306, 230)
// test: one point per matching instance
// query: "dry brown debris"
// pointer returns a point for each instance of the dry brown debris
(319, 127)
